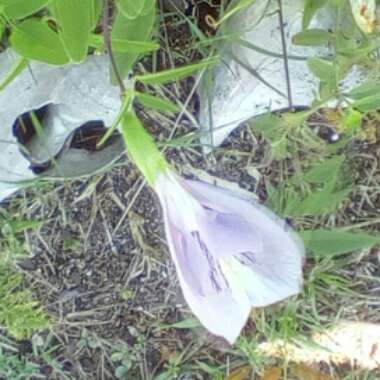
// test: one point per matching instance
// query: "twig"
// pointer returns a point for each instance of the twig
(285, 54)
(108, 46)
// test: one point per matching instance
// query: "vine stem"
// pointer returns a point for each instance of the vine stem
(285, 53)
(108, 46)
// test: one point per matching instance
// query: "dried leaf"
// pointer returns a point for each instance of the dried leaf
(272, 374)
(241, 373)
(304, 372)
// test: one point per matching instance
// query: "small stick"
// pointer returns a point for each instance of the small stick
(285, 54)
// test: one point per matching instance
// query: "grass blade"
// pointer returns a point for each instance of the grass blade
(175, 74)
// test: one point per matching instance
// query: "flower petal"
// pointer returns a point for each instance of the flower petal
(229, 233)
(230, 253)
(268, 274)
(204, 286)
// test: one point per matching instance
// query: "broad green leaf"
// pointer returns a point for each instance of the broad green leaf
(123, 46)
(138, 30)
(368, 104)
(157, 103)
(33, 39)
(131, 8)
(148, 5)
(15, 70)
(311, 7)
(74, 19)
(334, 242)
(324, 70)
(325, 171)
(96, 11)
(272, 127)
(2, 26)
(15, 9)
(175, 74)
(352, 120)
(369, 88)
(312, 37)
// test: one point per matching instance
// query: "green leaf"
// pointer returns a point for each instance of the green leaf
(74, 19)
(175, 74)
(123, 46)
(138, 30)
(368, 104)
(311, 7)
(324, 70)
(131, 8)
(272, 127)
(18, 226)
(15, 9)
(33, 39)
(159, 104)
(352, 120)
(321, 201)
(15, 70)
(3, 25)
(148, 5)
(96, 11)
(369, 88)
(325, 171)
(334, 242)
(141, 148)
(312, 37)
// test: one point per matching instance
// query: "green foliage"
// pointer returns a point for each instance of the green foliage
(141, 148)
(11, 244)
(325, 71)
(314, 192)
(15, 70)
(334, 242)
(34, 39)
(137, 29)
(15, 9)
(13, 367)
(274, 129)
(20, 315)
(132, 9)
(175, 74)
(75, 21)
(312, 37)
(310, 9)
(159, 104)
(123, 46)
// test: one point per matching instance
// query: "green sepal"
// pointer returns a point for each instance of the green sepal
(141, 148)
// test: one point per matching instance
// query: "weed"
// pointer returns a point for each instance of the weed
(20, 315)
(14, 367)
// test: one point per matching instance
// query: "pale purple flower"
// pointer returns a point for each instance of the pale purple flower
(231, 254)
